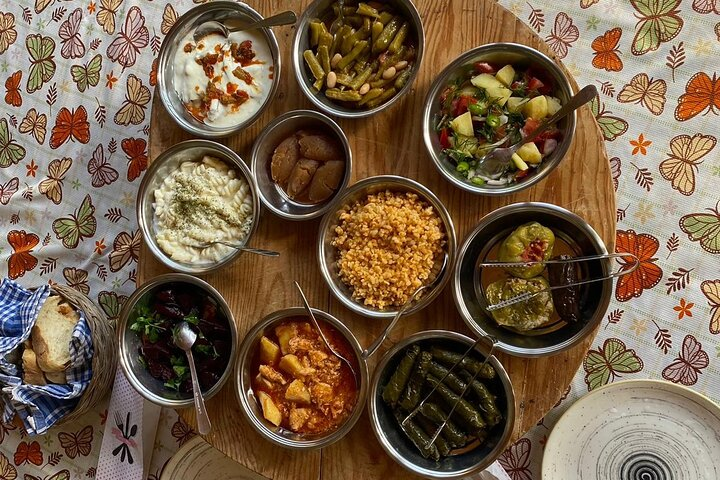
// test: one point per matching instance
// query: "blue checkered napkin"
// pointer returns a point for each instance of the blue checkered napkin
(40, 406)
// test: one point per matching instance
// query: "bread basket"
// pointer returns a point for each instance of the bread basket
(104, 362)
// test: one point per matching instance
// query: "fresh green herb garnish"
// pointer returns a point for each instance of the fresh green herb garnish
(192, 318)
(148, 323)
(181, 371)
(208, 350)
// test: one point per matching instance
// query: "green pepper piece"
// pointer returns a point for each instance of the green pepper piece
(492, 120)
(402, 79)
(478, 181)
(377, 28)
(388, 33)
(354, 53)
(385, 17)
(523, 316)
(316, 27)
(479, 108)
(324, 57)
(448, 358)
(314, 65)
(462, 167)
(367, 10)
(395, 386)
(344, 96)
(360, 78)
(386, 95)
(399, 38)
(411, 395)
(371, 94)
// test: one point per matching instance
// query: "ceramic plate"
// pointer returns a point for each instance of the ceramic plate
(198, 460)
(636, 430)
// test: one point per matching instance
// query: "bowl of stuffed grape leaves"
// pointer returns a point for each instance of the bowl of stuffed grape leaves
(542, 246)
(292, 389)
(152, 363)
(425, 378)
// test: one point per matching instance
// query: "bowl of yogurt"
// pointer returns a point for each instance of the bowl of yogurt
(217, 86)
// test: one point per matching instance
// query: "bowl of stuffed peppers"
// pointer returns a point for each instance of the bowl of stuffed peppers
(491, 97)
(353, 59)
(527, 235)
(417, 384)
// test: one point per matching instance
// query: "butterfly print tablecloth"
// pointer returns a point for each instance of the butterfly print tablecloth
(78, 77)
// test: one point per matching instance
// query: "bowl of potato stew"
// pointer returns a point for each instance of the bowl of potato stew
(291, 388)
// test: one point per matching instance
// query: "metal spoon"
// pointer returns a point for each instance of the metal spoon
(379, 341)
(496, 161)
(322, 335)
(184, 338)
(237, 246)
(205, 29)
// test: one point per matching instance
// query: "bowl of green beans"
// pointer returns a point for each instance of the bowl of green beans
(353, 59)
(424, 379)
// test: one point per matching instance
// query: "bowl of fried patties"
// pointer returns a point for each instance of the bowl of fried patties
(301, 161)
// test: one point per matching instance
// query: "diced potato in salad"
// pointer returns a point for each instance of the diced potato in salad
(493, 107)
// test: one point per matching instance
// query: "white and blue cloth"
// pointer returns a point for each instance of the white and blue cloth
(39, 406)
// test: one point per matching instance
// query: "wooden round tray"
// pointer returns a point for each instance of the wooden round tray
(390, 142)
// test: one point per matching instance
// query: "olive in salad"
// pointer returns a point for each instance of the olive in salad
(155, 322)
(489, 107)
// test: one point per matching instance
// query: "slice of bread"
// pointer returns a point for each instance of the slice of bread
(52, 333)
(31, 370)
(56, 377)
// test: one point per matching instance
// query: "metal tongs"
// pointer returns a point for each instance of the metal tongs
(524, 297)
(493, 342)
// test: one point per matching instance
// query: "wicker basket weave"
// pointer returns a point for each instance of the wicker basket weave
(105, 354)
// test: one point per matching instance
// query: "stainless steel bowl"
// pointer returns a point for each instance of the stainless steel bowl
(166, 163)
(250, 406)
(129, 342)
(305, 79)
(394, 441)
(493, 229)
(500, 54)
(327, 254)
(221, 11)
(271, 194)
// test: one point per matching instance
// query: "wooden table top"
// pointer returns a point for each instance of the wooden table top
(390, 142)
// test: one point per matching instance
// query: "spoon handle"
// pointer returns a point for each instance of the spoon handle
(576, 101)
(284, 18)
(203, 420)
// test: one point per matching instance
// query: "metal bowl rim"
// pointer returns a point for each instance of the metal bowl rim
(262, 138)
(243, 363)
(171, 43)
(450, 244)
(330, 107)
(228, 157)
(441, 80)
(122, 326)
(551, 209)
(374, 416)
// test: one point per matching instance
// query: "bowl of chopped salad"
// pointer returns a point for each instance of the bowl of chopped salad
(491, 97)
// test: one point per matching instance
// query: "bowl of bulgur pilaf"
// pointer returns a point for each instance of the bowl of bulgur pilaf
(387, 237)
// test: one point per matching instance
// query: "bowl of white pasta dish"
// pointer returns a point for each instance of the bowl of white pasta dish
(195, 193)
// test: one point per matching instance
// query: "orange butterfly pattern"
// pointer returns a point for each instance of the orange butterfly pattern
(647, 274)
(12, 89)
(701, 93)
(134, 148)
(70, 125)
(606, 54)
(21, 259)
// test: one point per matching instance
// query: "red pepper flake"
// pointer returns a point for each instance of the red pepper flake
(231, 87)
(218, 48)
(242, 52)
(188, 47)
(201, 46)
(208, 62)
